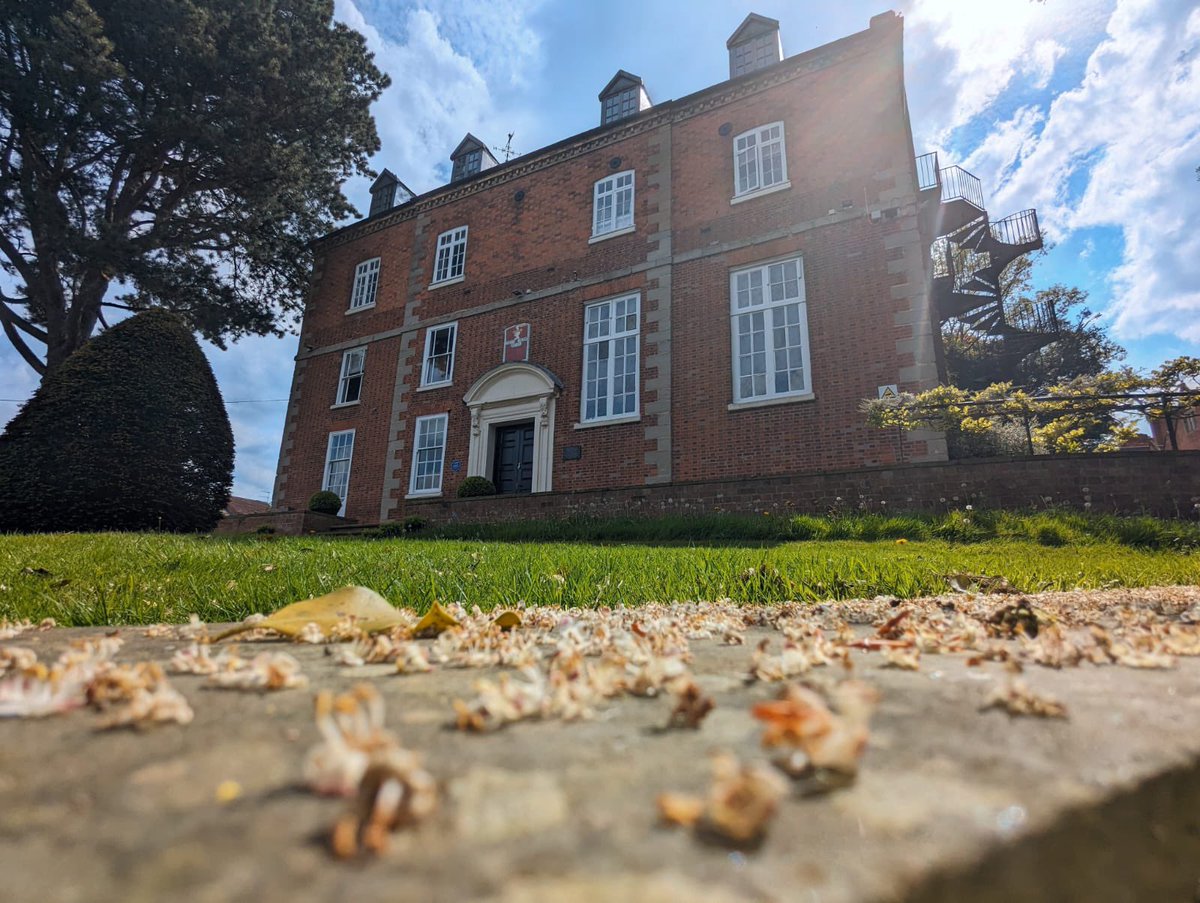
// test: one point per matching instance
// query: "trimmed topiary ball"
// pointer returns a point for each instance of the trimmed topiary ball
(325, 502)
(475, 486)
(128, 433)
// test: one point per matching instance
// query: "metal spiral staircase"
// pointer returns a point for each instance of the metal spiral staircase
(969, 253)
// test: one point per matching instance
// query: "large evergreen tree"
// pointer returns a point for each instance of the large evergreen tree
(184, 151)
(129, 433)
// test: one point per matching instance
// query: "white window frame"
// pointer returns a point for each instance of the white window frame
(326, 484)
(427, 359)
(748, 159)
(422, 426)
(448, 265)
(606, 334)
(349, 358)
(747, 300)
(612, 204)
(366, 285)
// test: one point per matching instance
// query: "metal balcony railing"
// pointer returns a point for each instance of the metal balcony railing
(958, 183)
(927, 172)
(1032, 316)
(1018, 229)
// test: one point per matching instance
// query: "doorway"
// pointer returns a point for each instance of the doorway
(512, 465)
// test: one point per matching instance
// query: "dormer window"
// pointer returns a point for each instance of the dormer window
(620, 105)
(755, 45)
(622, 97)
(470, 157)
(467, 165)
(387, 192)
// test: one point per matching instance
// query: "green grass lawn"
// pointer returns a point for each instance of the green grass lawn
(144, 578)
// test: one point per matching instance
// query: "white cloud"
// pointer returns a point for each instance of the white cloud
(444, 71)
(1006, 146)
(1042, 58)
(965, 55)
(1119, 150)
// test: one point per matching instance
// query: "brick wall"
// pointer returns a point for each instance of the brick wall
(1163, 483)
(851, 213)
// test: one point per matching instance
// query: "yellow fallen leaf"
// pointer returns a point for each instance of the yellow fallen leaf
(228, 791)
(436, 620)
(370, 612)
(507, 620)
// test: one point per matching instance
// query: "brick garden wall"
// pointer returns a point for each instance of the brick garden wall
(1162, 483)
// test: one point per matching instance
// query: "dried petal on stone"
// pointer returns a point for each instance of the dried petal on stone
(351, 727)
(138, 696)
(16, 658)
(741, 802)
(680, 809)
(348, 656)
(802, 719)
(904, 659)
(691, 707)
(266, 671)
(395, 792)
(1016, 698)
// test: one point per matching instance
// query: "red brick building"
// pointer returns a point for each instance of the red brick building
(698, 289)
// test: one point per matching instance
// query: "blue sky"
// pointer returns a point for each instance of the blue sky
(1088, 110)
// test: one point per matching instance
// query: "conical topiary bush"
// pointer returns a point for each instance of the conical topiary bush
(129, 433)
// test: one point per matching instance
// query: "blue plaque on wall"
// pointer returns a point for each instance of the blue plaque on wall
(456, 466)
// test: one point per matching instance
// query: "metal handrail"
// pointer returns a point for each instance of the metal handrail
(957, 184)
(928, 175)
(1033, 315)
(1018, 229)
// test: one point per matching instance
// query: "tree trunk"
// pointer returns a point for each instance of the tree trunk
(77, 322)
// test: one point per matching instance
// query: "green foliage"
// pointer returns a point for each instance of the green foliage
(325, 502)
(960, 526)
(140, 579)
(393, 529)
(472, 487)
(1051, 535)
(1086, 414)
(804, 526)
(955, 526)
(188, 150)
(1082, 348)
(129, 434)
(1144, 532)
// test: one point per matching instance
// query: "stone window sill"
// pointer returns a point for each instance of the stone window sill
(608, 421)
(759, 192)
(604, 236)
(770, 402)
